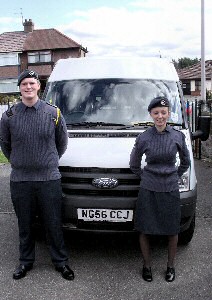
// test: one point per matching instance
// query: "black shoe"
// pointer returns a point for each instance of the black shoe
(147, 274)
(66, 272)
(21, 271)
(170, 274)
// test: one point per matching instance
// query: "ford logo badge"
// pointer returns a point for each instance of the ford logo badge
(105, 183)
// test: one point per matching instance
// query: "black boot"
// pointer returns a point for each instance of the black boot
(147, 274)
(170, 274)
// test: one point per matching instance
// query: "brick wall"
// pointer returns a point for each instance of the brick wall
(8, 72)
(65, 53)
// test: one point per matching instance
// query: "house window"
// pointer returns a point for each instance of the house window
(8, 59)
(39, 57)
(8, 86)
(197, 85)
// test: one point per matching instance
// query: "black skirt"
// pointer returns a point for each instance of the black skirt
(158, 213)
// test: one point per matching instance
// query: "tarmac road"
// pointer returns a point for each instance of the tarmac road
(107, 267)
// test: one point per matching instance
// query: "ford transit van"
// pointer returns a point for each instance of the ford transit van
(104, 102)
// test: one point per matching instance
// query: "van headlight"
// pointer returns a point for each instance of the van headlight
(183, 182)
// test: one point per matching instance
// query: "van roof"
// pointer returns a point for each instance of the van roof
(113, 67)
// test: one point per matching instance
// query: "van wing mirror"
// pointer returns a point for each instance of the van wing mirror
(203, 128)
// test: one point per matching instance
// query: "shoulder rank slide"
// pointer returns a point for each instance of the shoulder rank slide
(58, 116)
(9, 112)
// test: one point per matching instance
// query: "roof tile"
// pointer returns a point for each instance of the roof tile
(194, 72)
(41, 39)
(12, 41)
(48, 39)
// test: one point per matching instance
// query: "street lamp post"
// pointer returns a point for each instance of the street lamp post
(203, 89)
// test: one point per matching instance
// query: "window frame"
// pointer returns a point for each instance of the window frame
(10, 58)
(39, 57)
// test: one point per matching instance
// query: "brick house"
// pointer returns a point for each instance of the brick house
(191, 79)
(191, 84)
(33, 49)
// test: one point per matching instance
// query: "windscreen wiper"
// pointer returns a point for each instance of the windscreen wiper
(93, 124)
(138, 124)
(174, 124)
(143, 124)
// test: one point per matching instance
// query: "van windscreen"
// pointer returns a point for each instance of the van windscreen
(123, 101)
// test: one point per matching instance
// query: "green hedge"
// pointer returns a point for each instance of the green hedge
(2, 158)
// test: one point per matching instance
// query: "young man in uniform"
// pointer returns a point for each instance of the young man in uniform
(33, 136)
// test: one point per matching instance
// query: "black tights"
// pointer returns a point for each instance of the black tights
(145, 249)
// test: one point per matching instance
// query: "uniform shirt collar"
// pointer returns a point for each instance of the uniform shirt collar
(167, 129)
(24, 107)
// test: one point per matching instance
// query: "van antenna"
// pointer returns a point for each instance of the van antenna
(22, 18)
(21, 14)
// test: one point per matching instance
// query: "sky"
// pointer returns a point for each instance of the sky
(166, 28)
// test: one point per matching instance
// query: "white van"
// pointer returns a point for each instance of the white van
(104, 102)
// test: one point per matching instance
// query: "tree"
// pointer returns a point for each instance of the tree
(208, 95)
(185, 62)
(5, 99)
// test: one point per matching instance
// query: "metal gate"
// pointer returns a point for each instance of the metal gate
(193, 110)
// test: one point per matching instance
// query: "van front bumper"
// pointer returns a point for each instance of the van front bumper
(71, 203)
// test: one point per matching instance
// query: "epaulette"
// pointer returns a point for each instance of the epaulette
(176, 129)
(51, 104)
(9, 112)
(58, 112)
(179, 131)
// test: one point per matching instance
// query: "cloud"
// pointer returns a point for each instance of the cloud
(7, 23)
(8, 20)
(171, 28)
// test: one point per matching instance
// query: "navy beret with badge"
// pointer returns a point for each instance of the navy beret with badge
(27, 74)
(158, 102)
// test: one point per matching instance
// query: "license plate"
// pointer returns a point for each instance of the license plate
(110, 215)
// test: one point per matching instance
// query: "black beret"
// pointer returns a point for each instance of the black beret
(158, 102)
(27, 74)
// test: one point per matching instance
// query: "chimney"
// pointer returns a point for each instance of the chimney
(28, 25)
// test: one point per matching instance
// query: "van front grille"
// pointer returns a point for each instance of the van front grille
(78, 181)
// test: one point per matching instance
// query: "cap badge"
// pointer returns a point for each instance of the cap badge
(31, 73)
(163, 102)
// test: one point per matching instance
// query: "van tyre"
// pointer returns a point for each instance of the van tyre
(186, 236)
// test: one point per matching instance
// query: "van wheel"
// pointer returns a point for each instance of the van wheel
(186, 236)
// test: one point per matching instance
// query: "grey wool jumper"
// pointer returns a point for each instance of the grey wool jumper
(160, 173)
(33, 140)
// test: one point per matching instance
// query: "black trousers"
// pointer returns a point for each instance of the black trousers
(47, 195)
